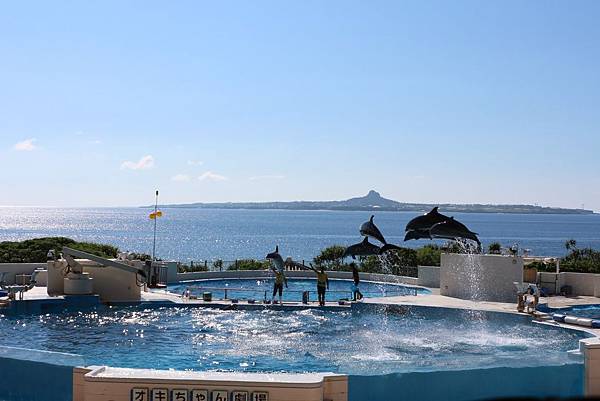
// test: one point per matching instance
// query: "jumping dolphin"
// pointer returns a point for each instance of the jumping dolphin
(364, 248)
(453, 229)
(426, 221)
(277, 259)
(417, 234)
(369, 229)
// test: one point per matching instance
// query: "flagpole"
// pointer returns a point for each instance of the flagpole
(155, 218)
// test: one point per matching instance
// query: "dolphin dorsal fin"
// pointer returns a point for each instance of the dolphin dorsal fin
(276, 248)
(434, 210)
(366, 240)
(371, 219)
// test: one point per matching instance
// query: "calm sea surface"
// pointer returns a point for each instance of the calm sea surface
(197, 234)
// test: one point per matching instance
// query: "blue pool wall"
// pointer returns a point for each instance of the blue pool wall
(468, 385)
(31, 375)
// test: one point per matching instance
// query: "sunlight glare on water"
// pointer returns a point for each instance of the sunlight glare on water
(368, 340)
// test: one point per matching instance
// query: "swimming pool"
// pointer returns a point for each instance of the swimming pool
(365, 340)
(261, 288)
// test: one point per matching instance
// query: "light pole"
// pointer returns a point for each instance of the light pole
(154, 216)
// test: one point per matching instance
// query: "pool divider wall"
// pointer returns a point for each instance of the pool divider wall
(590, 347)
(471, 384)
(101, 383)
(32, 375)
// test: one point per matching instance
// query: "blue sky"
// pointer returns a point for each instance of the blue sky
(467, 101)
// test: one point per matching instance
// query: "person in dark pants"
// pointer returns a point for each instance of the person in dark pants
(280, 280)
(322, 285)
(356, 294)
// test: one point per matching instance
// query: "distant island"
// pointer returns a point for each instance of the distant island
(373, 201)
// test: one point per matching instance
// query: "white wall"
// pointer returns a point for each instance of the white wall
(19, 268)
(581, 283)
(480, 277)
(429, 276)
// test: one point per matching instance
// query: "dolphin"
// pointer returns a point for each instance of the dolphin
(277, 259)
(426, 221)
(369, 229)
(417, 234)
(453, 229)
(364, 248)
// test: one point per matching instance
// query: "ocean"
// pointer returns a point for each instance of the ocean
(208, 234)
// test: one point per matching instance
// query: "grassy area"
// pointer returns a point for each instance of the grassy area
(36, 250)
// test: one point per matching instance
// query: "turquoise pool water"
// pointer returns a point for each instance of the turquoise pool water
(366, 340)
(587, 311)
(257, 288)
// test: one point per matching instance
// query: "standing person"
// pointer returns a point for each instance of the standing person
(322, 284)
(356, 294)
(280, 280)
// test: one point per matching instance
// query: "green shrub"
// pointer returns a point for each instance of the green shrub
(249, 264)
(331, 258)
(36, 250)
(494, 248)
(585, 260)
(429, 255)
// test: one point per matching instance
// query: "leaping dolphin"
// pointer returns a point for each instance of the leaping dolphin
(426, 221)
(277, 259)
(364, 248)
(453, 229)
(369, 229)
(417, 234)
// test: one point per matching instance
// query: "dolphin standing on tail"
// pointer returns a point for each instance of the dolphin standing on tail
(369, 229)
(364, 248)
(277, 260)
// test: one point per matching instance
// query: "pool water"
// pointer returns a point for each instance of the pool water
(587, 311)
(258, 289)
(364, 340)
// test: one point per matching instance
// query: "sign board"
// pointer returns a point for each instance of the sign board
(163, 394)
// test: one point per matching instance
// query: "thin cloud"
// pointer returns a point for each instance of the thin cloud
(145, 163)
(210, 176)
(95, 142)
(267, 177)
(195, 162)
(180, 178)
(25, 146)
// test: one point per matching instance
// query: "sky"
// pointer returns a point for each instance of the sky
(102, 103)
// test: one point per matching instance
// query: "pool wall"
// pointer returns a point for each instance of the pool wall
(32, 375)
(476, 384)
